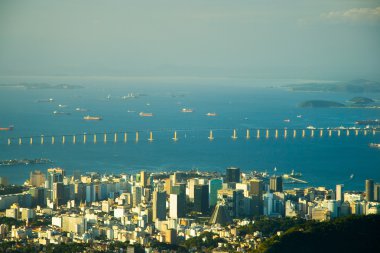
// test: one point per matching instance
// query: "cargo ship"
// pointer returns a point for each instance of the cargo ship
(146, 114)
(88, 117)
(10, 128)
(186, 110)
(368, 122)
(374, 145)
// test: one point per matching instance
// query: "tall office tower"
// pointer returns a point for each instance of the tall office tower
(38, 196)
(232, 175)
(192, 183)
(369, 190)
(201, 198)
(58, 193)
(377, 192)
(215, 184)
(168, 185)
(136, 195)
(177, 207)
(256, 187)
(256, 192)
(37, 178)
(339, 192)
(159, 205)
(54, 175)
(275, 184)
(144, 178)
(80, 192)
(234, 201)
(179, 188)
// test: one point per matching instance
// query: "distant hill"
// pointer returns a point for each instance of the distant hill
(320, 104)
(43, 86)
(350, 234)
(361, 100)
(354, 86)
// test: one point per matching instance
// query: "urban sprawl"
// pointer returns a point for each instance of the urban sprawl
(167, 208)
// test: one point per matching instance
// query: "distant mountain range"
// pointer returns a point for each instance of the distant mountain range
(354, 86)
(43, 86)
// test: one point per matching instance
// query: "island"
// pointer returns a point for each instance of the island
(353, 86)
(361, 100)
(320, 104)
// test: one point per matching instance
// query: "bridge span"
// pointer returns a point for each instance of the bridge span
(211, 134)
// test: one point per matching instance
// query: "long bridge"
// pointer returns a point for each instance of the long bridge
(148, 135)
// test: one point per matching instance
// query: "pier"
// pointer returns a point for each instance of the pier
(274, 133)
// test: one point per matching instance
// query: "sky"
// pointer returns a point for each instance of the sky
(324, 39)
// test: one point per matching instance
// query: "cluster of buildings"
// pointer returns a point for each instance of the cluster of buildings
(167, 207)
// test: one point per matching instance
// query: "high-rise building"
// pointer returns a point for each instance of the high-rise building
(256, 187)
(58, 193)
(159, 205)
(144, 178)
(232, 175)
(37, 178)
(192, 183)
(233, 200)
(54, 175)
(215, 184)
(38, 196)
(369, 190)
(339, 192)
(377, 192)
(80, 192)
(201, 198)
(136, 195)
(256, 192)
(177, 208)
(275, 184)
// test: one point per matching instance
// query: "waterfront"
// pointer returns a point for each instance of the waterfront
(323, 161)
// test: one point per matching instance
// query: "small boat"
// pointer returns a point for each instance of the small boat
(88, 117)
(287, 120)
(145, 114)
(211, 114)
(299, 116)
(311, 127)
(62, 106)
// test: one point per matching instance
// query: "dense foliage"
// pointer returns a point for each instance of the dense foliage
(10, 222)
(349, 234)
(269, 226)
(203, 243)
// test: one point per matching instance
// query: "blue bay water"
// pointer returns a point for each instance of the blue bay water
(323, 161)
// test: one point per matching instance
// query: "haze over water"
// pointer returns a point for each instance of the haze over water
(323, 161)
(227, 57)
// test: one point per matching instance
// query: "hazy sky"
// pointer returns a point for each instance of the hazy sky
(321, 39)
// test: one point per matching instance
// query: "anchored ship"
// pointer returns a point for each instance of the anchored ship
(88, 117)
(146, 114)
(10, 128)
(374, 145)
(186, 110)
